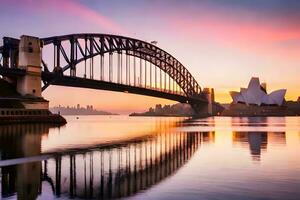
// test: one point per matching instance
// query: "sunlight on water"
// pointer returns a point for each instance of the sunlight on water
(152, 158)
(88, 131)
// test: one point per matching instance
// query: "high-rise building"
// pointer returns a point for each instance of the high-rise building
(158, 108)
(151, 110)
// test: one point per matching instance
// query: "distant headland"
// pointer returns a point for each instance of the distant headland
(78, 110)
(177, 110)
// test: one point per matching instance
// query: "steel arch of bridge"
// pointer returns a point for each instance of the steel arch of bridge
(86, 46)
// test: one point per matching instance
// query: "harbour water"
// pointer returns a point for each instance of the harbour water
(104, 157)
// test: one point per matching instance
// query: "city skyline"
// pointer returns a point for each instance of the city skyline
(222, 44)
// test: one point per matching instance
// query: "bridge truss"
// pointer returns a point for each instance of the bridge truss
(110, 62)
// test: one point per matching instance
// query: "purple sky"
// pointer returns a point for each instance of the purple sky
(223, 43)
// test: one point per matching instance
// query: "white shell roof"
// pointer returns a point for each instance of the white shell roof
(255, 95)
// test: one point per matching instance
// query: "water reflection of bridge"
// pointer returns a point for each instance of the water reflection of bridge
(120, 171)
(109, 171)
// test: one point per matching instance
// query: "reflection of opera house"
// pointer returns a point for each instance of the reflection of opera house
(256, 94)
(255, 101)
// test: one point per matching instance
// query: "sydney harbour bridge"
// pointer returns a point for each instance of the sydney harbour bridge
(98, 61)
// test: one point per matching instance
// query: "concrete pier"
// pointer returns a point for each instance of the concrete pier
(21, 98)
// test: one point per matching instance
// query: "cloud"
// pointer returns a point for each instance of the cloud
(86, 13)
(65, 7)
(240, 30)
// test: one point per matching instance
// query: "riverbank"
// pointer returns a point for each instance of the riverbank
(176, 110)
(243, 110)
(157, 115)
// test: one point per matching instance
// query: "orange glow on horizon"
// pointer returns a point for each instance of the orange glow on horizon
(116, 102)
(125, 103)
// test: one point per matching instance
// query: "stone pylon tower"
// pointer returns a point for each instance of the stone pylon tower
(30, 56)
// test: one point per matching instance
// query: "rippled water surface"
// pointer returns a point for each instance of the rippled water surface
(104, 157)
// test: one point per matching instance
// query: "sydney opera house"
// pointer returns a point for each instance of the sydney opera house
(256, 94)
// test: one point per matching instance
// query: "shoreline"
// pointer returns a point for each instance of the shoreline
(161, 115)
(275, 115)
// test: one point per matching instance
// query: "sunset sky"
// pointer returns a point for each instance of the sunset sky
(223, 43)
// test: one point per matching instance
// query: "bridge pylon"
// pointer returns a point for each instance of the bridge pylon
(30, 57)
(208, 108)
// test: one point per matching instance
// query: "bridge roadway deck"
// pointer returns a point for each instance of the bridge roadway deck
(117, 87)
(62, 80)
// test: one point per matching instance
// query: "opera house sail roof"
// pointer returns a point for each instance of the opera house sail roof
(256, 94)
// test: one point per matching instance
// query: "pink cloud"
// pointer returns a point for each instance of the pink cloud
(240, 32)
(66, 7)
(84, 12)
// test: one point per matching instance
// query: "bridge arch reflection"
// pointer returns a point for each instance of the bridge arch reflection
(103, 171)
(121, 170)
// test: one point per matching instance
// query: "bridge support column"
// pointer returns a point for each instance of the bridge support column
(205, 109)
(210, 96)
(30, 59)
(30, 56)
